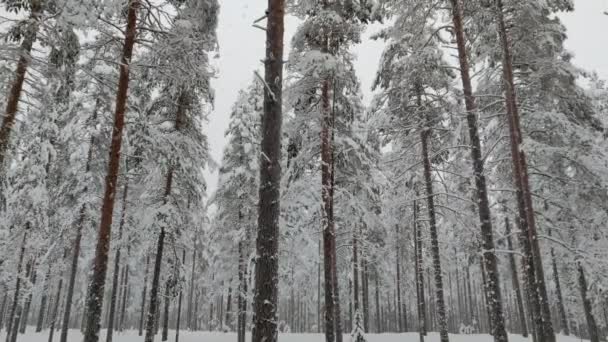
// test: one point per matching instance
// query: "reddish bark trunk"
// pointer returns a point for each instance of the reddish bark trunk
(267, 243)
(489, 257)
(100, 266)
(521, 179)
(12, 102)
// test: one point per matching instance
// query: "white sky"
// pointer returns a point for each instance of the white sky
(242, 48)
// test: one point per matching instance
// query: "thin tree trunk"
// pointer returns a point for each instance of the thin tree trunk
(241, 315)
(43, 301)
(28, 301)
(154, 307)
(57, 303)
(365, 281)
(190, 318)
(100, 266)
(165, 333)
(499, 332)
(229, 305)
(116, 272)
(560, 299)
(126, 292)
(3, 307)
(14, 95)
(378, 317)
(515, 280)
(319, 313)
(356, 305)
(179, 304)
(588, 309)
(11, 325)
(421, 306)
(267, 244)
(143, 297)
(439, 297)
(398, 265)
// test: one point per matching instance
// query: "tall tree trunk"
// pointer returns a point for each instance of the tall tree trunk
(356, 305)
(229, 305)
(328, 228)
(319, 312)
(515, 280)
(57, 303)
(126, 292)
(499, 332)
(560, 299)
(12, 101)
(439, 296)
(143, 297)
(116, 272)
(179, 304)
(28, 301)
(378, 317)
(242, 296)
(190, 318)
(11, 325)
(100, 266)
(365, 281)
(521, 179)
(3, 307)
(165, 333)
(72, 279)
(154, 307)
(43, 301)
(267, 243)
(398, 265)
(421, 306)
(588, 309)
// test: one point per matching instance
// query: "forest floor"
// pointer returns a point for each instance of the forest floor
(199, 336)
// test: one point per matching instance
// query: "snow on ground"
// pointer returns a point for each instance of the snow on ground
(186, 336)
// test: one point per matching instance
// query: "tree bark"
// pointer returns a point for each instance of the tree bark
(328, 228)
(126, 292)
(515, 280)
(14, 95)
(587, 307)
(191, 293)
(56, 308)
(100, 266)
(165, 332)
(365, 281)
(398, 266)
(154, 307)
(116, 272)
(266, 270)
(242, 296)
(521, 179)
(421, 306)
(143, 297)
(560, 299)
(179, 304)
(28, 301)
(439, 295)
(43, 301)
(3, 308)
(499, 332)
(11, 325)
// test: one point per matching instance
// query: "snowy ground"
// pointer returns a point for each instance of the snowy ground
(185, 336)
